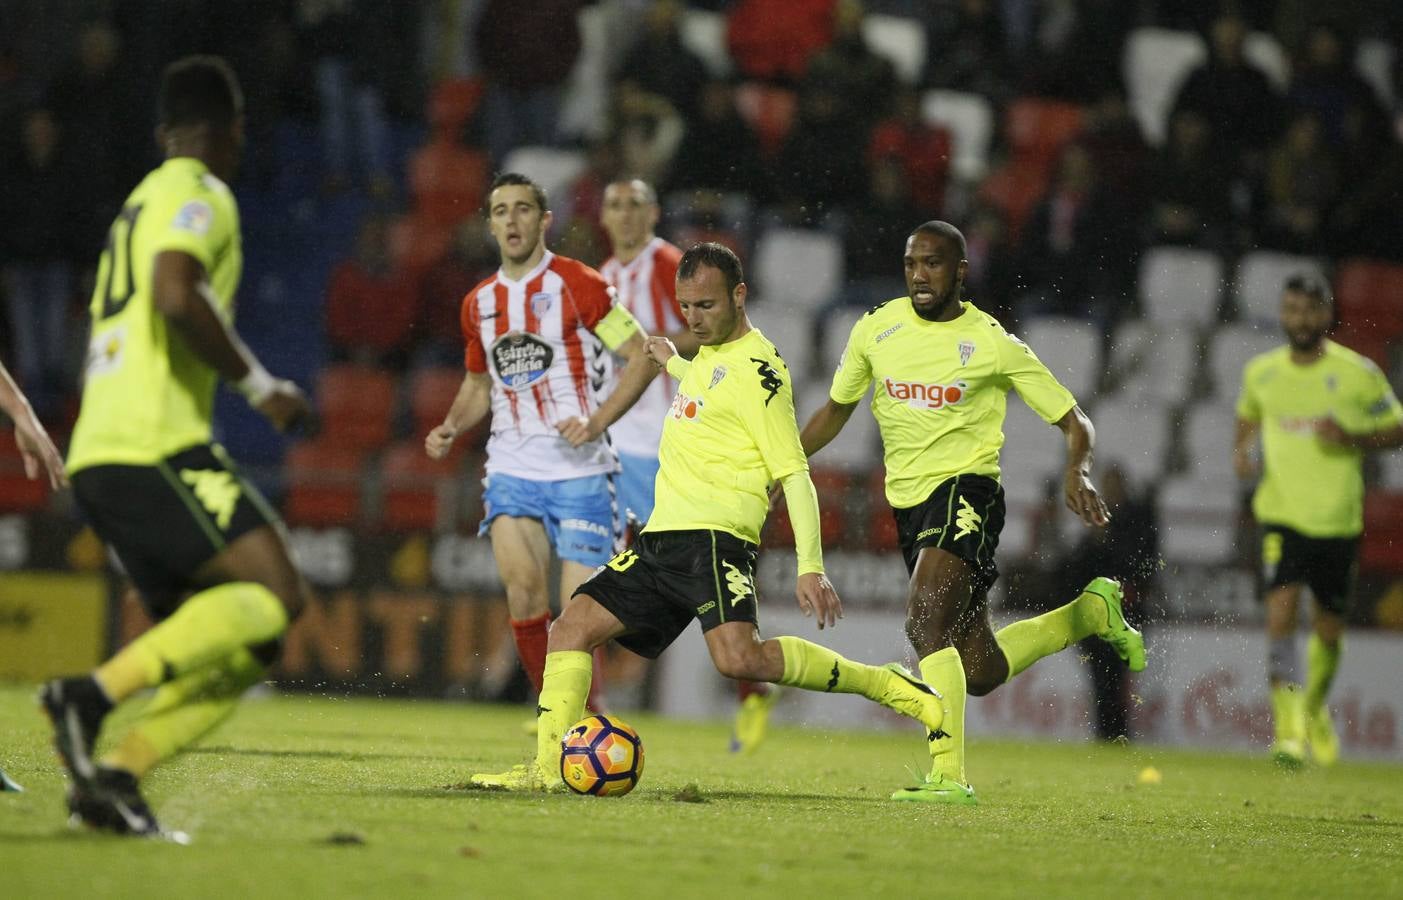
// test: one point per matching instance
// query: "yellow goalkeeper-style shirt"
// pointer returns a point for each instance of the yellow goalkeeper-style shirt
(728, 436)
(1309, 485)
(941, 392)
(146, 395)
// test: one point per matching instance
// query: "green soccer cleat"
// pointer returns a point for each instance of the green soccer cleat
(1129, 643)
(522, 779)
(753, 720)
(938, 790)
(1324, 743)
(1288, 753)
(912, 697)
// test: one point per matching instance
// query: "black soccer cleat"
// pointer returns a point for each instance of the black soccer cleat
(76, 707)
(111, 801)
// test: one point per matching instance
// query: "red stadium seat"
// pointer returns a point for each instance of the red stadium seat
(356, 405)
(1039, 129)
(419, 494)
(448, 181)
(770, 111)
(833, 488)
(1381, 550)
(323, 484)
(881, 527)
(453, 102)
(1369, 297)
(417, 242)
(431, 393)
(1015, 190)
(1364, 341)
(17, 493)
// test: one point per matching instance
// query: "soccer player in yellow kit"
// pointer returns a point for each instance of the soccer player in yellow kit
(204, 550)
(942, 370)
(729, 436)
(1317, 407)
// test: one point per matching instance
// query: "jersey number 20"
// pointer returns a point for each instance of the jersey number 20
(117, 254)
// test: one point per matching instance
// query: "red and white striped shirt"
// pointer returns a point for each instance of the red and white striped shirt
(536, 338)
(647, 287)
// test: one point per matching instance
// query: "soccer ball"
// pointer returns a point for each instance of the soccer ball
(601, 755)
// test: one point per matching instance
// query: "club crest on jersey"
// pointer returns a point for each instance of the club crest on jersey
(540, 303)
(966, 351)
(194, 217)
(925, 396)
(716, 375)
(684, 407)
(521, 359)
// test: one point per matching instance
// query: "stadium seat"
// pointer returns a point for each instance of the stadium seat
(1391, 471)
(1233, 345)
(418, 493)
(1381, 550)
(1071, 350)
(1209, 431)
(323, 484)
(970, 119)
(1038, 129)
(1133, 431)
(431, 393)
(417, 242)
(704, 33)
(356, 405)
(17, 493)
(790, 328)
(802, 266)
(453, 103)
(1364, 341)
(584, 107)
(1154, 359)
(1369, 296)
(881, 531)
(901, 40)
(1261, 276)
(832, 486)
(1015, 190)
(1033, 451)
(770, 111)
(553, 169)
(448, 181)
(1374, 60)
(857, 447)
(1179, 284)
(1264, 51)
(833, 338)
(1198, 521)
(1155, 64)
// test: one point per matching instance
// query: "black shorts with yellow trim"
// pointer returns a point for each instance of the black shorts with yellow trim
(668, 578)
(964, 515)
(165, 521)
(1327, 565)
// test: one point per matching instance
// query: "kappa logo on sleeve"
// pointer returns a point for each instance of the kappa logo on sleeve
(769, 378)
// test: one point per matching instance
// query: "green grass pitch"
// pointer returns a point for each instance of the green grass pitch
(316, 797)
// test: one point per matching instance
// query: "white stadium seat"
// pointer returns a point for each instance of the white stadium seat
(1134, 432)
(801, 266)
(704, 33)
(789, 327)
(1071, 350)
(1180, 284)
(901, 40)
(857, 447)
(554, 170)
(1156, 62)
(1264, 51)
(584, 111)
(835, 330)
(1197, 521)
(1374, 62)
(1209, 430)
(1391, 470)
(1154, 359)
(1260, 277)
(1232, 346)
(970, 119)
(1033, 451)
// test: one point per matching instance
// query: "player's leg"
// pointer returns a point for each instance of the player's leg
(522, 552)
(1097, 610)
(1332, 583)
(1284, 674)
(583, 525)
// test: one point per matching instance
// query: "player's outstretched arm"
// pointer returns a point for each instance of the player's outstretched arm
(1244, 461)
(638, 373)
(181, 292)
(470, 404)
(1384, 439)
(1082, 496)
(824, 425)
(813, 590)
(35, 446)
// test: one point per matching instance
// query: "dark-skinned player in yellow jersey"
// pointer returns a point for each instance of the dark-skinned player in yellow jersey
(942, 370)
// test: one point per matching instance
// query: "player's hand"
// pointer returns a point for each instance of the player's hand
(1329, 431)
(439, 440)
(1084, 500)
(39, 452)
(285, 406)
(578, 430)
(1244, 463)
(818, 598)
(659, 350)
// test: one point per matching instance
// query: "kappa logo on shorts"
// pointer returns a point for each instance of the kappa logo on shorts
(737, 582)
(218, 492)
(966, 519)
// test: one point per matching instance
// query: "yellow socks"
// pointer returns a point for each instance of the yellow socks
(814, 668)
(1288, 709)
(1028, 641)
(944, 672)
(183, 710)
(207, 627)
(561, 704)
(1321, 662)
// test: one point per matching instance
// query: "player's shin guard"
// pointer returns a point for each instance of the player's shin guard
(815, 668)
(532, 636)
(564, 686)
(1321, 662)
(209, 626)
(1029, 640)
(944, 671)
(183, 710)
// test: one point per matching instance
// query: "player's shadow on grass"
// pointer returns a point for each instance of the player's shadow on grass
(343, 755)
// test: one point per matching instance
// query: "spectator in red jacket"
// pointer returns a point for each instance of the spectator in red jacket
(773, 40)
(370, 307)
(922, 150)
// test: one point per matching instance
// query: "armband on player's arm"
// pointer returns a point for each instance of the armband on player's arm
(617, 326)
(799, 493)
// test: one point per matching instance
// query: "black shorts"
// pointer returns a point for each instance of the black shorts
(1327, 565)
(668, 578)
(964, 515)
(167, 520)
